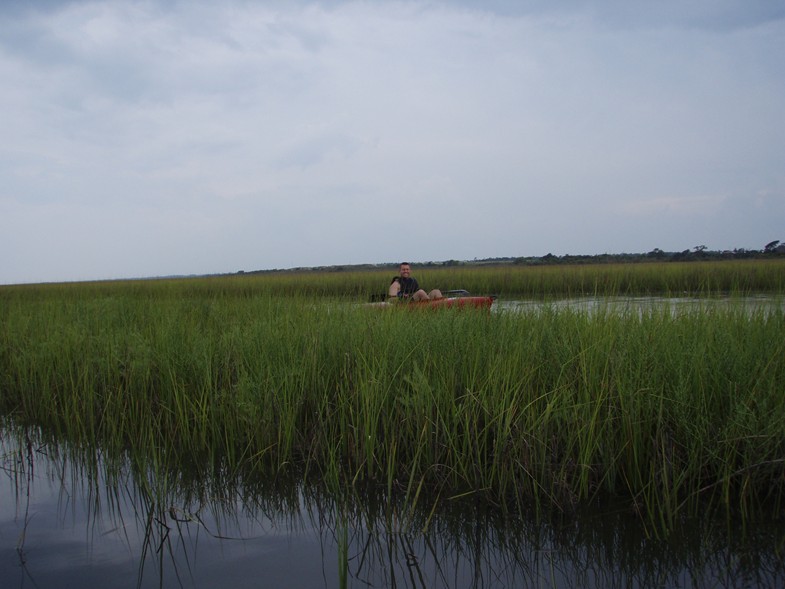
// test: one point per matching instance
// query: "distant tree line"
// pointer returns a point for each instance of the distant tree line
(698, 253)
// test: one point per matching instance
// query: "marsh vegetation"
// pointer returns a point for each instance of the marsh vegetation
(674, 413)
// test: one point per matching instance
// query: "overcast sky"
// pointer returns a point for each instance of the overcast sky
(161, 137)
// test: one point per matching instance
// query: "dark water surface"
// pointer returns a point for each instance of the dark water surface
(69, 520)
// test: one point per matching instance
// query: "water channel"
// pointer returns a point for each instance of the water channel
(647, 304)
(71, 521)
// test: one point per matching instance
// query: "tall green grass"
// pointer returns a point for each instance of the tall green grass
(511, 281)
(674, 412)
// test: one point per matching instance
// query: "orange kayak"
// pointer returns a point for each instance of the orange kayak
(470, 302)
(461, 302)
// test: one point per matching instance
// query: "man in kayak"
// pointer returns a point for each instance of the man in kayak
(406, 287)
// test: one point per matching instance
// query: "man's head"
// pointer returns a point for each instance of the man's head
(405, 269)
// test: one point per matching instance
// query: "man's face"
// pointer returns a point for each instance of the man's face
(405, 270)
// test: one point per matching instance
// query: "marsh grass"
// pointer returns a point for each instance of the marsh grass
(675, 413)
(534, 282)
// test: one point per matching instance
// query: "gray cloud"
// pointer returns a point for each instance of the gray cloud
(152, 138)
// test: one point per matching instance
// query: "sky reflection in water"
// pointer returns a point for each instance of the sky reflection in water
(645, 304)
(68, 520)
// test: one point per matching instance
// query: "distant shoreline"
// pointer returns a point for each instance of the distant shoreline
(694, 255)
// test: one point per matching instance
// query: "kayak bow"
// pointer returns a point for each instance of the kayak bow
(449, 302)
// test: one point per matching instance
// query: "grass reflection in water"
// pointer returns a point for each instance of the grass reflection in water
(82, 517)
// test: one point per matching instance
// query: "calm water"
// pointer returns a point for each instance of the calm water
(68, 520)
(638, 305)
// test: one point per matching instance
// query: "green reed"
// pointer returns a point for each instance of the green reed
(509, 280)
(675, 412)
